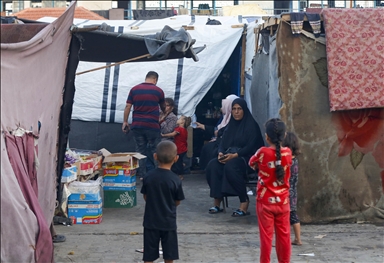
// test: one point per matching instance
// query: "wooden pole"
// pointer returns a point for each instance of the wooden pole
(243, 50)
(257, 40)
(114, 64)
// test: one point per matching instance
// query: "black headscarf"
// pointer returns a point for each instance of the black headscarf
(244, 134)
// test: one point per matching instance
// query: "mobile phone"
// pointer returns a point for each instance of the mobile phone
(222, 157)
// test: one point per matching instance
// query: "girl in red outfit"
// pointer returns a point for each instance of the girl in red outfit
(180, 135)
(272, 204)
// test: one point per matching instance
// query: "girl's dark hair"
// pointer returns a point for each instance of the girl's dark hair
(275, 129)
(187, 121)
(292, 142)
(171, 103)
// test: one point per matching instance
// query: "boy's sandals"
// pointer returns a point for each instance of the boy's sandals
(240, 213)
(215, 210)
(295, 243)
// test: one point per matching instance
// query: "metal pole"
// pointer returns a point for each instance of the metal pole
(214, 6)
(160, 4)
(191, 7)
(130, 10)
(322, 4)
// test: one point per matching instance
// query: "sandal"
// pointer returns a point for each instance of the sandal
(58, 238)
(215, 210)
(239, 213)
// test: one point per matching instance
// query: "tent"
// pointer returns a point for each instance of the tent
(38, 65)
(100, 95)
(340, 171)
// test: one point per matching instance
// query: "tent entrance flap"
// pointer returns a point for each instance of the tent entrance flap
(228, 82)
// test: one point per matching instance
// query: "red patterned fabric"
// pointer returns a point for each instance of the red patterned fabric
(355, 55)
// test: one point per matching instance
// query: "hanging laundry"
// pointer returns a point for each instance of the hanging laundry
(297, 23)
(314, 21)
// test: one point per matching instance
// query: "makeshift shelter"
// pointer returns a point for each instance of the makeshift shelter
(36, 107)
(29, 135)
(341, 166)
(101, 95)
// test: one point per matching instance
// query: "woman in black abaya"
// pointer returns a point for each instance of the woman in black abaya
(227, 174)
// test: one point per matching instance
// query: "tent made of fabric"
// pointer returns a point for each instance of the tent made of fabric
(101, 95)
(341, 165)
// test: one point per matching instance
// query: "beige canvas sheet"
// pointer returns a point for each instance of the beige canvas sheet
(32, 81)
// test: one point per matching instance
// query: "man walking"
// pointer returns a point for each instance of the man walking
(146, 98)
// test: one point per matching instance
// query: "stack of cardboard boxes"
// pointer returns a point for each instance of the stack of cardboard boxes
(119, 179)
(84, 202)
(116, 173)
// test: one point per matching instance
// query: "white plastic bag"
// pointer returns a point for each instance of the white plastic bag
(89, 187)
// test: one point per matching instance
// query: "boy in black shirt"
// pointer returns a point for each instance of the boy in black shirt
(162, 192)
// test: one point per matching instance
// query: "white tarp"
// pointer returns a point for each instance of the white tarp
(182, 79)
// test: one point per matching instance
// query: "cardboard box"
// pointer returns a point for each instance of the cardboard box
(119, 199)
(84, 167)
(84, 197)
(117, 174)
(90, 161)
(85, 212)
(119, 186)
(129, 160)
(69, 174)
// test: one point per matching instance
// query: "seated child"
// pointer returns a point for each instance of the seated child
(162, 192)
(180, 135)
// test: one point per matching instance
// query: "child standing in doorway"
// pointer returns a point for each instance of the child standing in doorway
(292, 142)
(180, 135)
(162, 192)
(272, 204)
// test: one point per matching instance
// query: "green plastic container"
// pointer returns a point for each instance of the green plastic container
(119, 199)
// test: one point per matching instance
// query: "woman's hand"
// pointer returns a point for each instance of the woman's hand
(200, 126)
(223, 158)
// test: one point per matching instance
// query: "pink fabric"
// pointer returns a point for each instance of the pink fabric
(21, 156)
(226, 109)
(32, 81)
(355, 55)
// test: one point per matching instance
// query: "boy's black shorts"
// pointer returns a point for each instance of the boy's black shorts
(169, 244)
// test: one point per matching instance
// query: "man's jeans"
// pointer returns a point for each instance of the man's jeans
(146, 139)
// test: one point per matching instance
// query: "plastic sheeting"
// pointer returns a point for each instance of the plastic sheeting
(264, 94)
(31, 91)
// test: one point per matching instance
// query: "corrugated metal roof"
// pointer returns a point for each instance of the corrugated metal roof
(37, 13)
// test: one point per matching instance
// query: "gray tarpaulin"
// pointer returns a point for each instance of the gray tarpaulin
(264, 93)
(160, 44)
